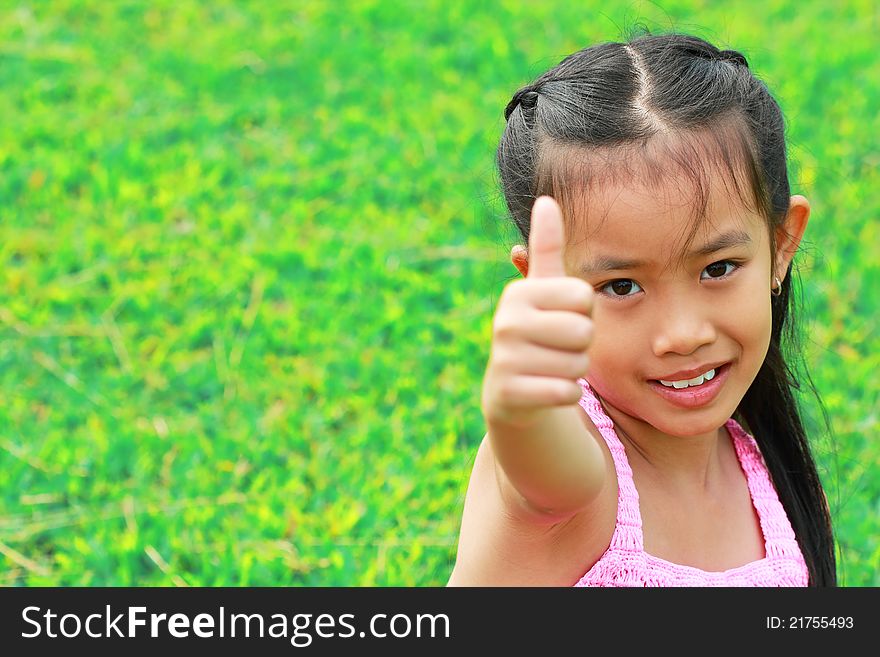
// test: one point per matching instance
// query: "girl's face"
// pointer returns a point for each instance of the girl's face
(653, 319)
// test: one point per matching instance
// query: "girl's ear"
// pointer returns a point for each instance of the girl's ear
(788, 236)
(520, 259)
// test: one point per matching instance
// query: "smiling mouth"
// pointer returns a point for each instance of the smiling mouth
(696, 382)
(697, 396)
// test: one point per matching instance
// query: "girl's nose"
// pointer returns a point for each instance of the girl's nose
(682, 330)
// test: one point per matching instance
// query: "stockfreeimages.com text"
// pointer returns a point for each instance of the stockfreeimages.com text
(135, 622)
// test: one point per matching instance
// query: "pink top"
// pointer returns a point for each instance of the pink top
(625, 562)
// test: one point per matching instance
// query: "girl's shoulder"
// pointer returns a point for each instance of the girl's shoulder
(501, 543)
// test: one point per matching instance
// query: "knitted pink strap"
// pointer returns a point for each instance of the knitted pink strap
(628, 533)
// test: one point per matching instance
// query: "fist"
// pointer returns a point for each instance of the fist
(541, 330)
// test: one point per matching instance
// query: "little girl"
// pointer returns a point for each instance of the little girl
(641, 427)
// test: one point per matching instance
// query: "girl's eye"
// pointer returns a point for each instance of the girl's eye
(718, 269)
(622, 287)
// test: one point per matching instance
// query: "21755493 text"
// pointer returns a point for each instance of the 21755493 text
(809, 622)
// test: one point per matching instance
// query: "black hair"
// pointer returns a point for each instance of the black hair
(674, 102)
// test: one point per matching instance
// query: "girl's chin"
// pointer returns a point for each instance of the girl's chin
(693, 431)
(687, 423)
(671, 426)
(665, 417)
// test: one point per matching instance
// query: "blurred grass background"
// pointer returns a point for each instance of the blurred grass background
(250, 254)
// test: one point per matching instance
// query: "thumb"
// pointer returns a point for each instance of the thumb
(546, 239)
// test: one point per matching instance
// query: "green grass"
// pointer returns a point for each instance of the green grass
(250, 255)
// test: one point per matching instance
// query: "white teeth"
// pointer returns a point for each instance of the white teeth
(678, 385)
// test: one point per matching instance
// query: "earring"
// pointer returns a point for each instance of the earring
(776, 291)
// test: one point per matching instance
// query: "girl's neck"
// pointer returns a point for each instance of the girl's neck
(685, 465)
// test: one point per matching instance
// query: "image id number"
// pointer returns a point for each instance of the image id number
(809, 622)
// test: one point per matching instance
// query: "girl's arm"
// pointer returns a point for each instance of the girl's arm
(551, 468)
(540, 335)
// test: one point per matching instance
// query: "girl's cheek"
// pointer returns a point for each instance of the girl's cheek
(752, 303)
(614, 344)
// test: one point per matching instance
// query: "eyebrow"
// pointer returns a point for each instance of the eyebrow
(610, 263)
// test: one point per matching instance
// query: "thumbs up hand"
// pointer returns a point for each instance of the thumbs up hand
(541, 331)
